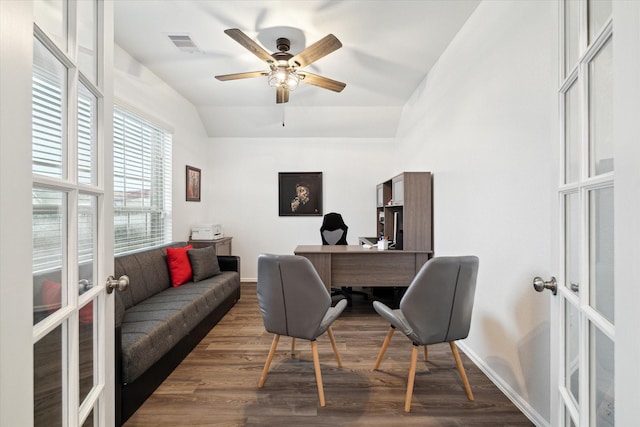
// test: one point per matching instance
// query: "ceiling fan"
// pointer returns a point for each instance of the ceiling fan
(284, 68)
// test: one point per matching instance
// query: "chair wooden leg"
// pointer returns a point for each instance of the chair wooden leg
(316, 365)
(293, 346)
(425, 354)
(385, 344)
(272, 350)
(335, 347)
(412, 376)
(463, 375)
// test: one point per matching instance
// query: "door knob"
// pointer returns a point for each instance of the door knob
(120, 284)
(540, 285)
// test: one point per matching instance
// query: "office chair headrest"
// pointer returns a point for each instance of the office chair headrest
(332, 221)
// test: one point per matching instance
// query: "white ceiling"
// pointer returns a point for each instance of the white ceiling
(388, 48)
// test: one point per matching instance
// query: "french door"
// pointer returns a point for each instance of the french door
(586, 285)
(72, 213)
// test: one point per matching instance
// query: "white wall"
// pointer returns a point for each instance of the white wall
(484, 122)
(244, 178)
(137, 88)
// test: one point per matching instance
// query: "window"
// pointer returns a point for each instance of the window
(141, 181)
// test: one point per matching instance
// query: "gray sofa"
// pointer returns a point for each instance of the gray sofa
(157, 325)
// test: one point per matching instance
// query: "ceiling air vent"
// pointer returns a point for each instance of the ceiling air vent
(184, 43)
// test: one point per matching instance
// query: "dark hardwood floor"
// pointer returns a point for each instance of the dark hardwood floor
(216, 385)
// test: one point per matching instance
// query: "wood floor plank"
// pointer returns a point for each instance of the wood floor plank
(216, 385)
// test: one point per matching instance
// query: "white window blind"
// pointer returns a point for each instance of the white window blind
(142, 182)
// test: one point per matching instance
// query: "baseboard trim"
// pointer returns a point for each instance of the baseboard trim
(505, 388)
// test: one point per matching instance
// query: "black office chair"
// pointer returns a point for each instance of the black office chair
(334, 232)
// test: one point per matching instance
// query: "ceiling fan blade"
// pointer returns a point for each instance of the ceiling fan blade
(282, 95)
(237, 76)
(249, 44)
(323, 82)
(316, 51)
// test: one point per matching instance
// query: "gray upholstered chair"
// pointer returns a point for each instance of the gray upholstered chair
(294, 302)
(436, 308)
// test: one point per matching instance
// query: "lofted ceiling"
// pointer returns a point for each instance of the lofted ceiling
(388, 49)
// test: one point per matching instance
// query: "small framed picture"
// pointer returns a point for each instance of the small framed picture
(193, 184)
(300, 193)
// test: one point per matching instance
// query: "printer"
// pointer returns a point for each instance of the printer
(206, 232)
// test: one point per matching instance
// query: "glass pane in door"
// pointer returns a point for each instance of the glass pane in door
(601, 259)
(49, 245)
(572, 134)
(602, 379)
(87, 39)
(87, 250)
(50, 15)
(49, 86)
(48, 378)
(87, 351)
(571, 35)
(599, 12)
(568, 421)
(87, 241)
(89, 421)
(87, 136)
(601, 111)
(572, 242)
(571, 361)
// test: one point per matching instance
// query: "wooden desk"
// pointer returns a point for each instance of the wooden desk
(353, 265)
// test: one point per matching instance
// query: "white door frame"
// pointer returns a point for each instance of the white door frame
(626, 95)
(16, 290)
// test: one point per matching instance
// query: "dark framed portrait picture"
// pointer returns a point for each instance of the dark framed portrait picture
(299, 193)
(193, 184)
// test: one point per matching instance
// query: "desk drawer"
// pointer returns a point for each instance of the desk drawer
(373, 269)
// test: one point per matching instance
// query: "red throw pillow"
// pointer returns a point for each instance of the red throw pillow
(51, 295)
(86, 313)
(179, 265)
(52, 300)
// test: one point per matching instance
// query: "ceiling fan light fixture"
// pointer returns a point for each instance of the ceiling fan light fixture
(282, 77)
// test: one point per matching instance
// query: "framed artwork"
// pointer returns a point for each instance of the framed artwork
(193, 184)
(300, 193)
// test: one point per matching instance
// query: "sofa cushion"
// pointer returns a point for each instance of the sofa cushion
(204, 263)
(148, 273)
(155, 325)
(179, 265)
